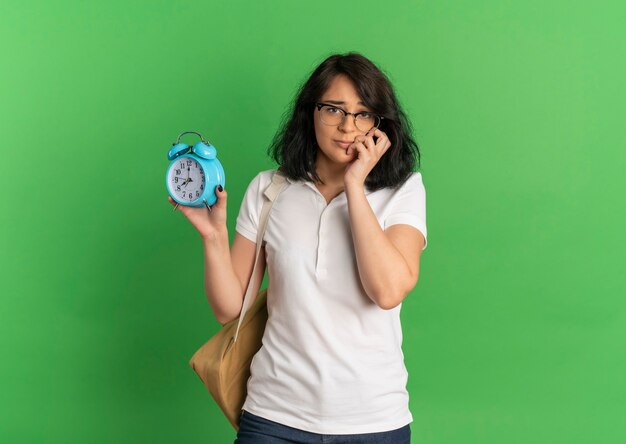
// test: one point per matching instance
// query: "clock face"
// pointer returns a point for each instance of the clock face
(186, 180)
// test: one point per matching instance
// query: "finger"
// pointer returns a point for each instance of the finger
(358, 139)
(222, 197)
(378, 133)
(369, 140)
(386, 147)
(383, 143)
(361, 150)
(381, 135)
(375, 132)
(350, 150)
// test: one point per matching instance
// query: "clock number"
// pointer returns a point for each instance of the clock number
(182, 165)
(178, 188)
(176, 180)
(197, 193)
(177, 171)
(189, 162)
(201, 187)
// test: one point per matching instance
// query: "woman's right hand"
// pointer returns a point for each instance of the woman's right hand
(208, 223)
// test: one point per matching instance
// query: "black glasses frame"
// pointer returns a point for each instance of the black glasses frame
(379, 119)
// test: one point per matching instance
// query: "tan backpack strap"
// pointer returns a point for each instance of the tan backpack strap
(271, 193)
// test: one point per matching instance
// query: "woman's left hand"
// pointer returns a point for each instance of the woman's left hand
(368, 154)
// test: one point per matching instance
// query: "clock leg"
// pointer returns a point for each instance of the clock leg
(206, 205)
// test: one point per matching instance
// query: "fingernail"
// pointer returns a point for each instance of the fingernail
(219, 187)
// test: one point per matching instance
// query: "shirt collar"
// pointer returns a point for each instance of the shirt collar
(312, 186)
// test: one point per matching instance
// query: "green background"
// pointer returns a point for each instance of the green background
(516, 331)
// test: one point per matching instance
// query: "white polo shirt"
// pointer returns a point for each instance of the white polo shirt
(331, 360)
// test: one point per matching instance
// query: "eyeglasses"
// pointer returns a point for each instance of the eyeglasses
(332, 115)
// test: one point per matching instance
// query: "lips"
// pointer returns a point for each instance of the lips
(343, 144)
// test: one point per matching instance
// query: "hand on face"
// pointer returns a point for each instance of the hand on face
(367, 154)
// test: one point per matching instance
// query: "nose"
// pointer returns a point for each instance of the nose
(347, 124)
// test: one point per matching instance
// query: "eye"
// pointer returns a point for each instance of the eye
(365, 115)
(333, 110)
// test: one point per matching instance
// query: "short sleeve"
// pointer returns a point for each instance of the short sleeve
(408, 206)
(250, 210)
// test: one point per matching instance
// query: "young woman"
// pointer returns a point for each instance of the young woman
(342, 249)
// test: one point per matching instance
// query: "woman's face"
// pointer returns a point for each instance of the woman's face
(342, 93)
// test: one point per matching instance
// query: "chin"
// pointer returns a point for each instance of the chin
(337, 154)
(342, 157)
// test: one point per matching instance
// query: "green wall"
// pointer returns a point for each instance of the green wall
(516, 331)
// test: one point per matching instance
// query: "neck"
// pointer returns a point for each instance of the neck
(332, 174)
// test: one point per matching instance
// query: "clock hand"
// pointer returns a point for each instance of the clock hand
(187, 180)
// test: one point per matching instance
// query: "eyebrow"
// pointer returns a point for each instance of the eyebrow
(338, 102)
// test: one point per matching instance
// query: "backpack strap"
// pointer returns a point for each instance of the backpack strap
(270, 194)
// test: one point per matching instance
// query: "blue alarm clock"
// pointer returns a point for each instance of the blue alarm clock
(194, 172)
